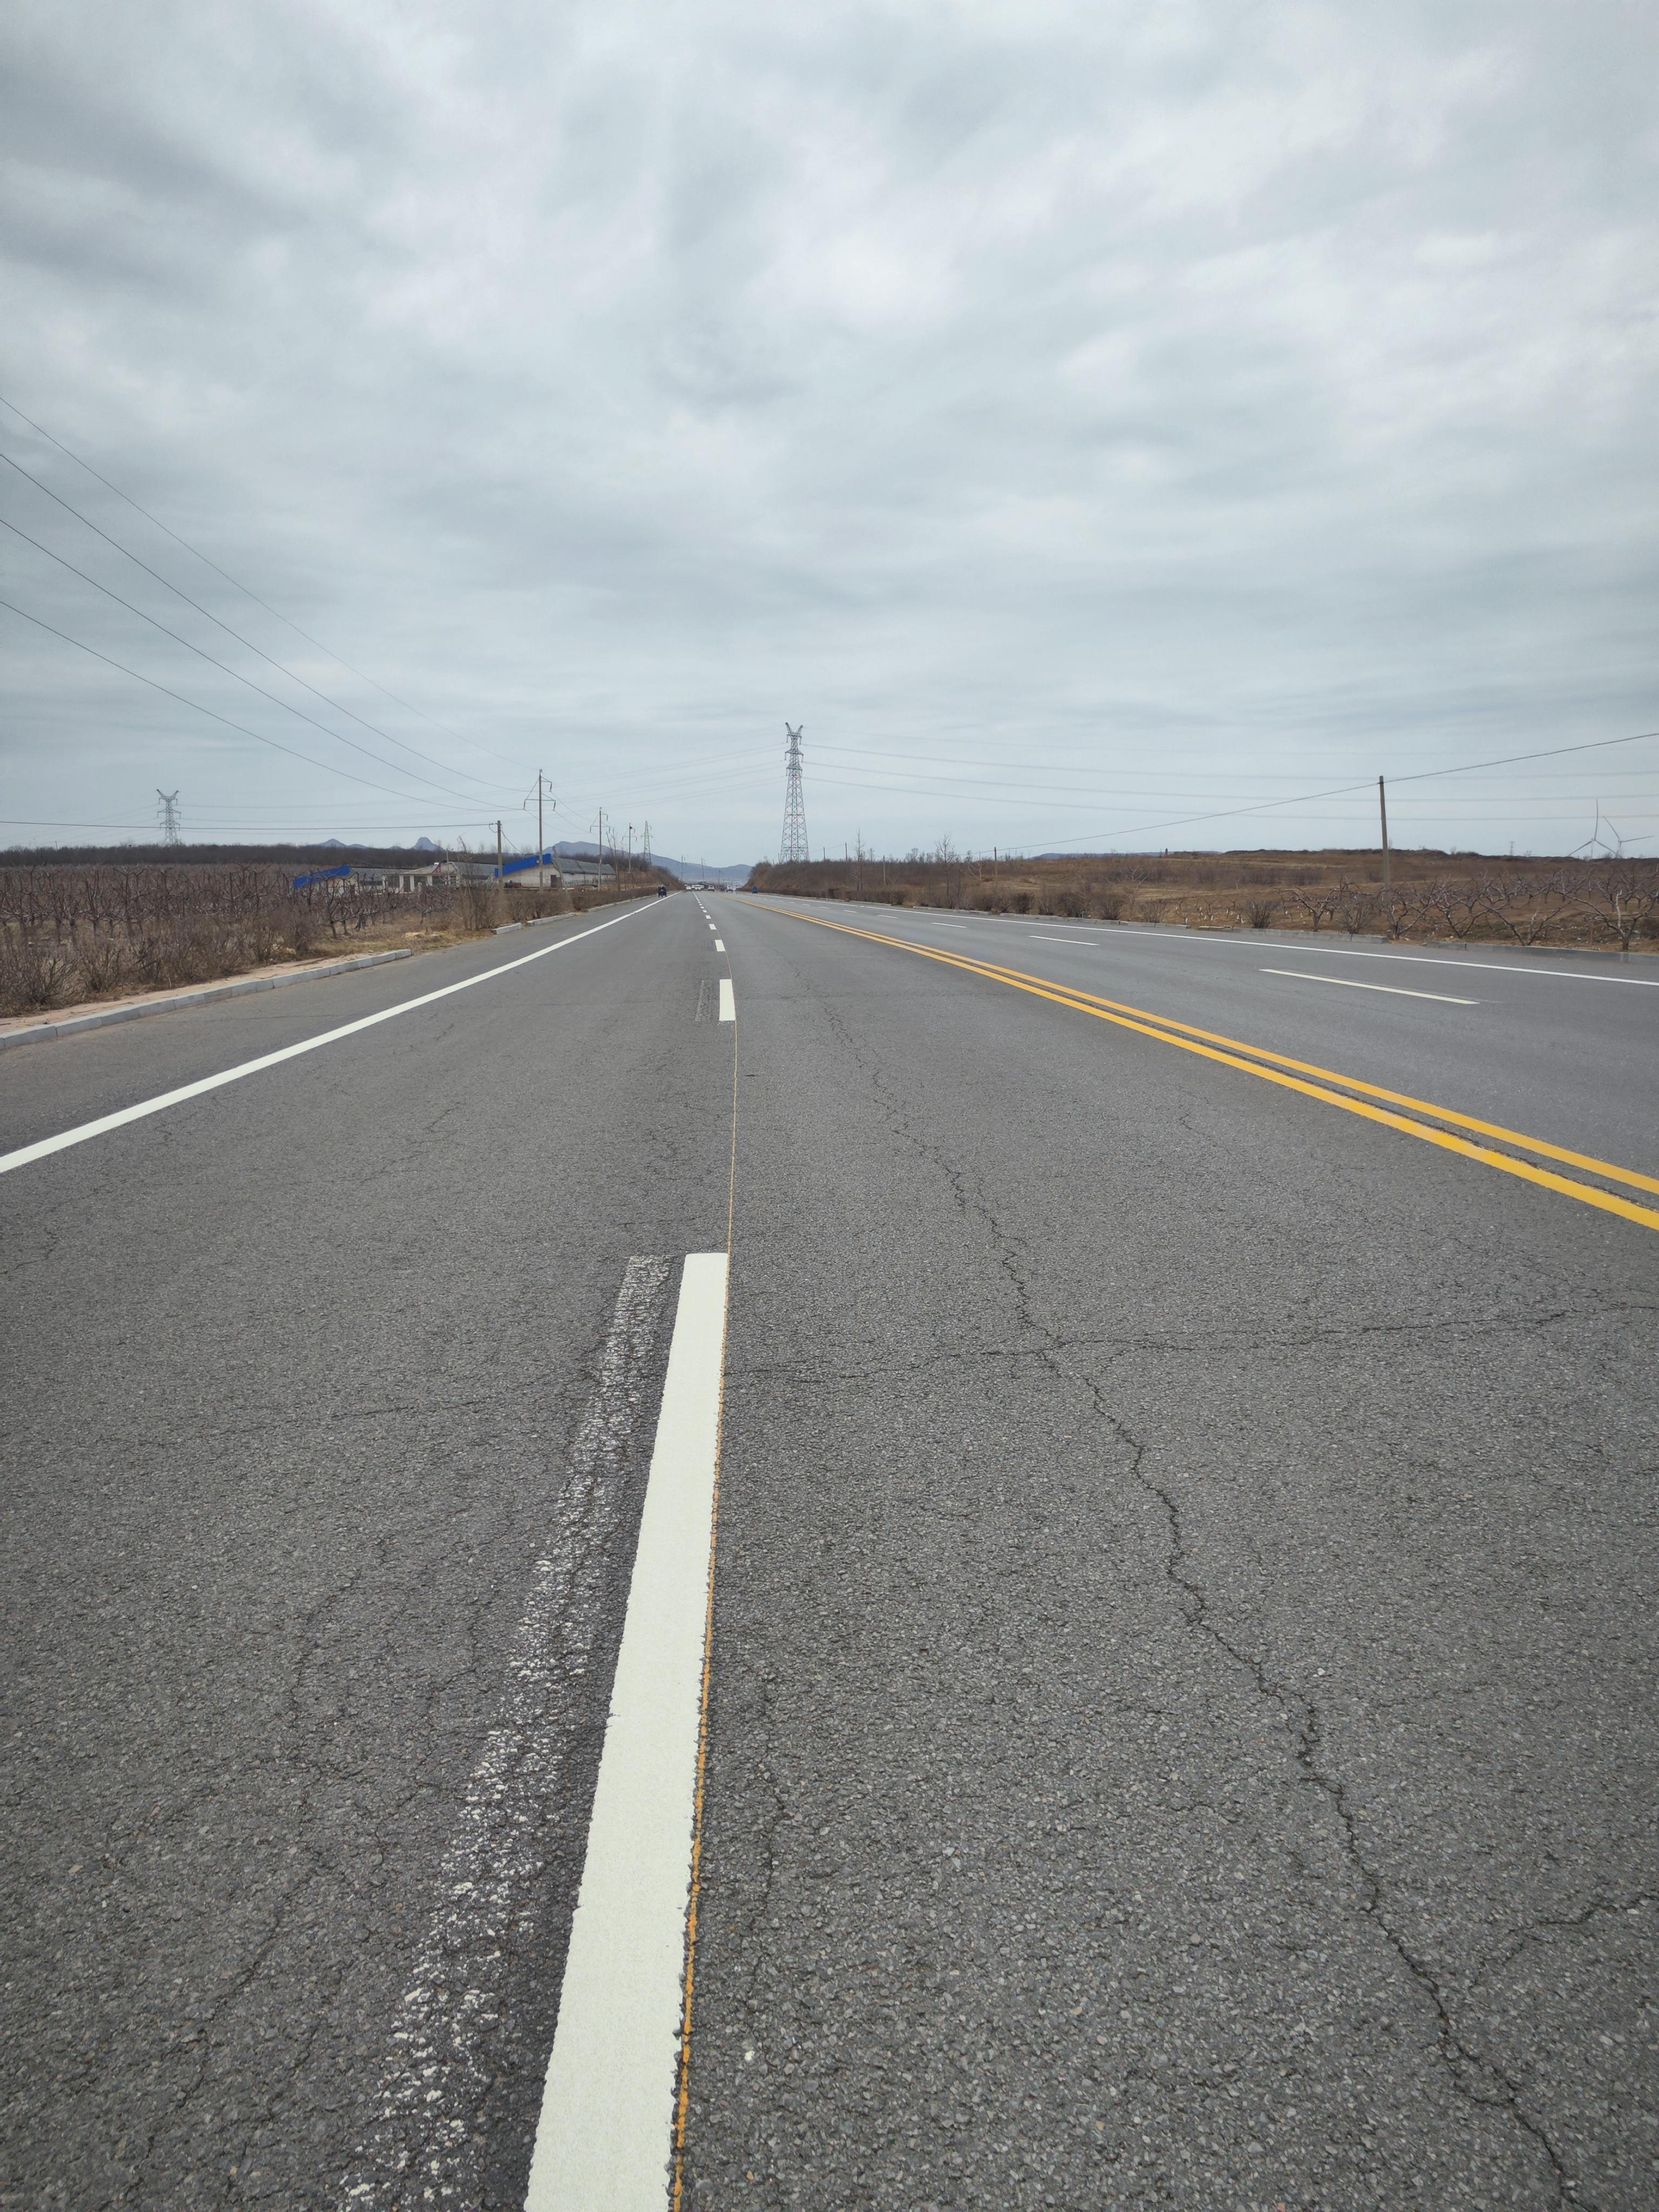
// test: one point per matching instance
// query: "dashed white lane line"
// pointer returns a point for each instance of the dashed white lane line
(1209, 941)
(1518, 966)
(1389, 990)
(1038, 939)
(46, 1146)
(728, 1002)
(605, 2138)
(718, 945)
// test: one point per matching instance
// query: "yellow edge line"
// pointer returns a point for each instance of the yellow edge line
(1152, 1025)
(1544, 1150)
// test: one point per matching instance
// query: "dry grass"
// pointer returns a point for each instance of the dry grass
(1432, 896)
(70, 933)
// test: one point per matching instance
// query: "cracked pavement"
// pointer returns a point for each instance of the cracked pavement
(299, 1374)
(1182, 1705)
(1181, 1726)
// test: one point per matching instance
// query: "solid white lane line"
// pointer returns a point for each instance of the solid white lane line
(426, 2143)
(605, 2135)
(66, 1138)
(728, 1002)
(1391, 990)
(719, 946)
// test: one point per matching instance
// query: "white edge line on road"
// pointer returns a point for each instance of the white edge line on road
(1515, 967)
(999, 924)
(728, 1001)
(168, 1002)
(46, 1145)
(605, 2138)
(1389, 990)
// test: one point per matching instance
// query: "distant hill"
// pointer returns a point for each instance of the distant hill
(725, 873)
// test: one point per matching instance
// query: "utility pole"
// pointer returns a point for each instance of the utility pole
(1383, 808)
(631, 849)
(167, 816)
(647, 847)
(541, 835)
(498, 852)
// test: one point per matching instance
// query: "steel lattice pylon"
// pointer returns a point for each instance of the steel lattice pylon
(794, 847)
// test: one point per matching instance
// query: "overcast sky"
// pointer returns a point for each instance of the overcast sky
(1078, 417)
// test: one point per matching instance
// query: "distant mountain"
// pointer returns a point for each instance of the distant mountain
(727, 872)
(426, 845)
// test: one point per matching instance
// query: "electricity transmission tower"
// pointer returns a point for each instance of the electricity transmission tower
(794, 847)
(167, 813)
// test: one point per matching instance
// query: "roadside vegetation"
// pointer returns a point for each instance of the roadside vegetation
(73, 933)
(1610, 902)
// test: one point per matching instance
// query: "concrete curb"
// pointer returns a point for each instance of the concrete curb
(44, 1032)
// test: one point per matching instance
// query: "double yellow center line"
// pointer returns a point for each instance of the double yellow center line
(1412, 1117)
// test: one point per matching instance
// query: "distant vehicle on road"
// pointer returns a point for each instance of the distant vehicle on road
(662, 891)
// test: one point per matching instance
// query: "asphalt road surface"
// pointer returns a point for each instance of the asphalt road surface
(1180, 1719)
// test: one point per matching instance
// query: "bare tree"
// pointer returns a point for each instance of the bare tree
(1453, 903)
(1355, 906)
(1621, 897)
(1315, 902)
(1526, 908)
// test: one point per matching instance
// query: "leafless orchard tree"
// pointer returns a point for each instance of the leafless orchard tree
(1450, 904)
(1315, 902)
(1355, 907)
(1621, 897)
(1525, 907)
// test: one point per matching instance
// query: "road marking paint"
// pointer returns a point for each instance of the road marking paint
(718, 945)
(1189, 1037)
(1514, 967)
(728, 1002)
(426, 2143)
(605, 2138)
(1037, 938)
(1348, 983)
(1146, 935)
(46, 1146)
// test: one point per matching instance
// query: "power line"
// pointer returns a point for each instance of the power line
(467, 798)
(258, 736)
(1347, 790)
(197, 554)
(208, 615)
(362, 834)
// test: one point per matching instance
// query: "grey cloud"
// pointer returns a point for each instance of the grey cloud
(1178, 396)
